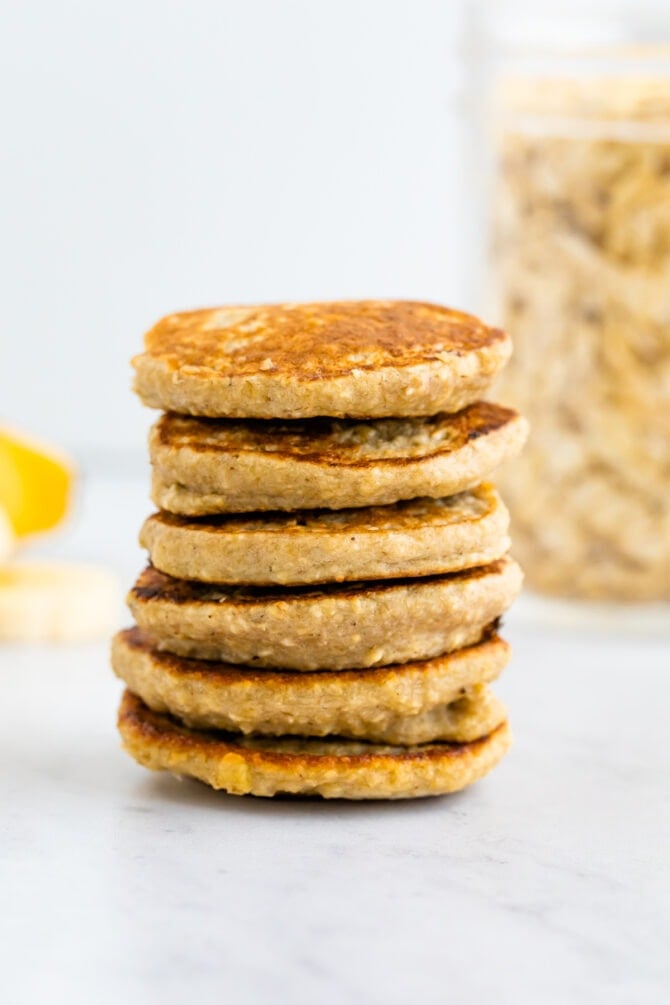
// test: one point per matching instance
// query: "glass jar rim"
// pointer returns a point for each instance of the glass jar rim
(631, 96)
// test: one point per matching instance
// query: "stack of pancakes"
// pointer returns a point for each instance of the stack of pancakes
(320, 612)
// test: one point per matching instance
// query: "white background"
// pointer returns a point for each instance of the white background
(163, 154)
(159, 155)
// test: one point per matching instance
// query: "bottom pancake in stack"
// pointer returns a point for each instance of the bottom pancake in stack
(417, 729)
(334, 768)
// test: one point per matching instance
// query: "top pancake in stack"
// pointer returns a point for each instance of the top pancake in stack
(354, 359)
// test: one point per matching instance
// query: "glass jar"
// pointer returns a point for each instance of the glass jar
(580, 276)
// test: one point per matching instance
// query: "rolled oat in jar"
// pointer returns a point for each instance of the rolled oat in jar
(581, 276)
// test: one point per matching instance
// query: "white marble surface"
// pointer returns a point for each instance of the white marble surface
(547, 882)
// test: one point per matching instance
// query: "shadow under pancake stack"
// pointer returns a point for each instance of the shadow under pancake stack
(329, 561)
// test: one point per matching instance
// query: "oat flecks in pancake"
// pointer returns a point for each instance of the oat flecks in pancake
(416, 538)
(341, 442)
(315, 341)
(441, 699)
(203, 467)
(344, 769)
(358, 358)
(368, 624)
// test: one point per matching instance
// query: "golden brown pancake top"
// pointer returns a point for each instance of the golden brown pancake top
(315, 341)
(335, 441)
(406, 516)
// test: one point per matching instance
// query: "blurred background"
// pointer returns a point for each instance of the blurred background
(161, 155)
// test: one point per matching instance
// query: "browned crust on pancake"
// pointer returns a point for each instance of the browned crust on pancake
(445, 699)
(359, 358)
(140, 640)
(419, 537)
(203, 467)
(251, 766)
(320, 440)
(154, 585)
(315, 341)
(150, 724)
(409, 514)
(333, 627)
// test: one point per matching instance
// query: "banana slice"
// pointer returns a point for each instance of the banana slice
(56, 602)
(7, 538)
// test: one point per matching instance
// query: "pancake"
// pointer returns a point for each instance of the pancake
(417, 538)
(334, 769)
(203, 467)
(362, 359)
(440, 699)
(334, 627)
